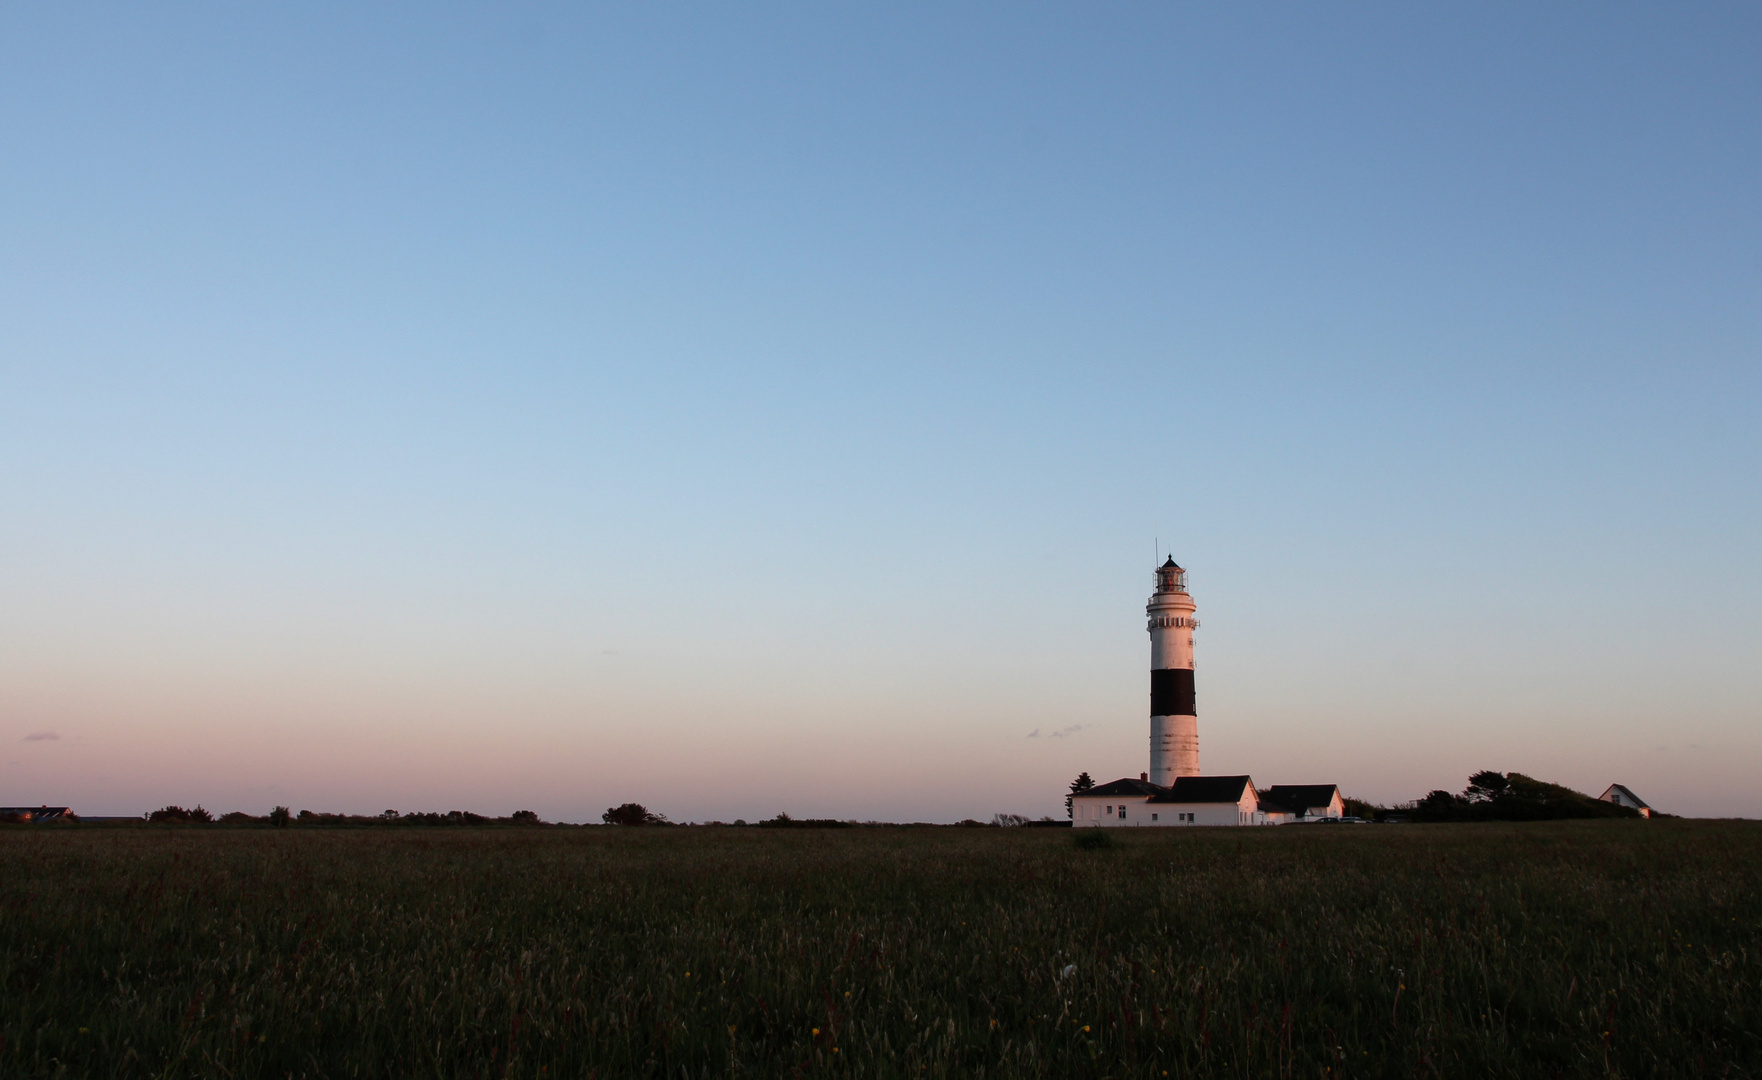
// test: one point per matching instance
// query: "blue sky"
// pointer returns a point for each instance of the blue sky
(777, 408)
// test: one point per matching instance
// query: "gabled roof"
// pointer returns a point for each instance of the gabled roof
(1621, 790)
(35, 813)
(1125, 788)
(1206, 789)
(1296, 798)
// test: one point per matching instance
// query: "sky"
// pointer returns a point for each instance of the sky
(753, 408)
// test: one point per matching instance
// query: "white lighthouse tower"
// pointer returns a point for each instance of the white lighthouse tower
(1174, 722)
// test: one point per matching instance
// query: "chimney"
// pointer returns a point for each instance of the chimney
(1144, 776)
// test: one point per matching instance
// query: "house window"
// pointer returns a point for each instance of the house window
(1110, 809)
(1122, 813)
(1153, 817)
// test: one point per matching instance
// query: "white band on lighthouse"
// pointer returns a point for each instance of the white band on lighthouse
(1174, 719)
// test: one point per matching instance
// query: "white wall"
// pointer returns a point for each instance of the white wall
(1095, 813)
(1099, 812)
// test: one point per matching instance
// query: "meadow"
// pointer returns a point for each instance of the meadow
(1571, 949)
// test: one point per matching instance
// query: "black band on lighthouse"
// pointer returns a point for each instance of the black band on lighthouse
(1171, 692)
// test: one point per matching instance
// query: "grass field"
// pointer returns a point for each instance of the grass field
(1610, 948)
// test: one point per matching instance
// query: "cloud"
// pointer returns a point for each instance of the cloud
(42, 736)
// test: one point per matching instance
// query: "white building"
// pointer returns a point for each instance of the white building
(1173, 792)
(1283, 803)
(1621, 796)
(1202, 800)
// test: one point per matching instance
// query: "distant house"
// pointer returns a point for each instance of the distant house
(1122, 802)
(36, 813)
(1194, 800)
(1621, 796)
(1283, 803)
(1212, 800)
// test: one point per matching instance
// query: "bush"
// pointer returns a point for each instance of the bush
(632, 814)
(784, 821)
(1093, 839)
(1492, 796)
(176, 813)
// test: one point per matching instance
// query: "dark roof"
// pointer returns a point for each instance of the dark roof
(35, 813)
(1170, 564)
(1296, 798)
(1125, 788)
(1205, 789)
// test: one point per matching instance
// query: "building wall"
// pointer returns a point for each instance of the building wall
(1141, 812)
(1245, 812)
(1096, 813)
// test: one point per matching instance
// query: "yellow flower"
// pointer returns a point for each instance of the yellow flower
(816, 1031)
(1085, 1027)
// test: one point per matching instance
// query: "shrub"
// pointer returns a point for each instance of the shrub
(632, 814)
(1093, 839)
(176, 813)
(784, 821)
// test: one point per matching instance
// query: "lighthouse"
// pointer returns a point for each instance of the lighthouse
(1174, 722)
(1173, 794)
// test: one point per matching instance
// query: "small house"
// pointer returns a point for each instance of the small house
(36, 813)
(1621, 796)
(1191, 800)
(1283, 803)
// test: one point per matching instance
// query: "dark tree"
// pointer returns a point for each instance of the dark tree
(178, 813)
(280, 816)
(525, 817)
(632, 814)
(1485, 786)
(1082, 783)
(1439, 805)
(1361, 808)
